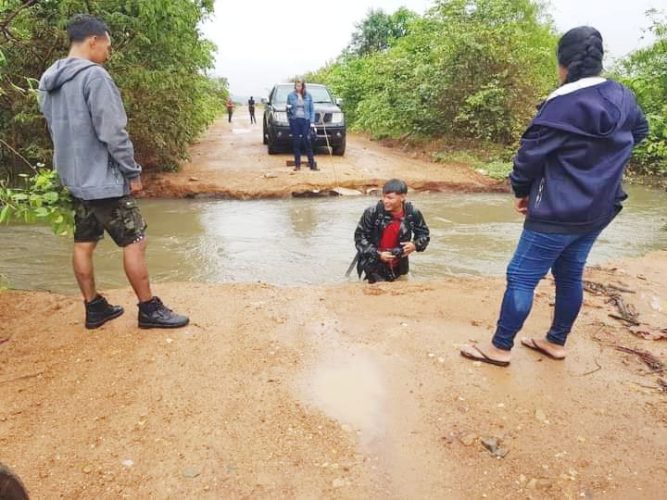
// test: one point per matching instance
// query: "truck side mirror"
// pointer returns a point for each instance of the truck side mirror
(339, 101)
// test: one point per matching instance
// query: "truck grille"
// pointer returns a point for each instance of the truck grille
(327, 118)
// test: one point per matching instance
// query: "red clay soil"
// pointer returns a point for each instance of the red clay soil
(231, 162)
(346, 391)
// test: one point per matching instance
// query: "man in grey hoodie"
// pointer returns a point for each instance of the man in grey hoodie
(94, 158)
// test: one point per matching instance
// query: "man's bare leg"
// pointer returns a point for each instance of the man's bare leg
(82, 262)
(134, 262)
(98, 310)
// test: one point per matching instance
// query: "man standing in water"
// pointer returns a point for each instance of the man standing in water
(94, 158)
(251, 108)
(387, 233)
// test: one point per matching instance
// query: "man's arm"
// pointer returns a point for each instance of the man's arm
(363, 235)
(110, 122)
(422, 234)
(536, 144)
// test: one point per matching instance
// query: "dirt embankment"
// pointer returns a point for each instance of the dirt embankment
(346, 392)
(231, 162)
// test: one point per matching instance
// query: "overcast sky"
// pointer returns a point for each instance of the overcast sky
(262, 42)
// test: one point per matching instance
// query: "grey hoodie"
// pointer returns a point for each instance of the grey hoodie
(93, 154)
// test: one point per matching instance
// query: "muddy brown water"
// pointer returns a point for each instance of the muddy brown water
(310, 241)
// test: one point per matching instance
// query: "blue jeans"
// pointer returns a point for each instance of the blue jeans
(300, 129)
(565, 255)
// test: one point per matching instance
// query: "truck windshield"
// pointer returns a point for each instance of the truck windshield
(320, 94)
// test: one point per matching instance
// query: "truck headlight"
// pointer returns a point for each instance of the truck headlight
(280, 116)
(337, 118)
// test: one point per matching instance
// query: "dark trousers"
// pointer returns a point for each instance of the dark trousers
(229, 115)
(300, 128)
(379, 271)
(252, 116)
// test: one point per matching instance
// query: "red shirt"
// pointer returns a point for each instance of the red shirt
(390, 236)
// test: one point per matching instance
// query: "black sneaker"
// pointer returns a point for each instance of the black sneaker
(313, 166)
(99, 311)
(154, 314)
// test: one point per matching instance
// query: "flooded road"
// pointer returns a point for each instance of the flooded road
(310, 241)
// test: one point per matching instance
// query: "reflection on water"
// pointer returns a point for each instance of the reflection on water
(305, 241)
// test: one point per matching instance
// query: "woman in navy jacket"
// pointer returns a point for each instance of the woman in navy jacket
(567, 180)
(301, 115)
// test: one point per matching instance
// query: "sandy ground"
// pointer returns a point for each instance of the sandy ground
(231, 162)
(350, 391)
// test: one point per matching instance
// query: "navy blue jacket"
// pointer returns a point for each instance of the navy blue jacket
(573, 155)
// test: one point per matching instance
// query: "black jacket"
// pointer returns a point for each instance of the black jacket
(371, 226)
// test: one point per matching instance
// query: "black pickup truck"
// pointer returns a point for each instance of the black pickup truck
(329, 119)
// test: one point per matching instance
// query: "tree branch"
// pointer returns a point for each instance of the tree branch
(5, 23)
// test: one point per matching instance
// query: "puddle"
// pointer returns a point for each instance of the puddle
(348, 387)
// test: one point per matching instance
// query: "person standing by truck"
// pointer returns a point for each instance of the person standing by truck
(301, 115)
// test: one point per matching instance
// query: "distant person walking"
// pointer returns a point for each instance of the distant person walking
(301, 115)
(230, 109)
(251, 109)
(567, 181)
(94, 158)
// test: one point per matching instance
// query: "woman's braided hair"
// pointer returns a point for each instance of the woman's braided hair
(580, 50)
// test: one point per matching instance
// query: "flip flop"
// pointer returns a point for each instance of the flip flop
(484, 358)
(531, 344)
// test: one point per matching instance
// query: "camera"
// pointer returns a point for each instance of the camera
(397, 252)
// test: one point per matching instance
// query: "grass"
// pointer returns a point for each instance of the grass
(494, 168)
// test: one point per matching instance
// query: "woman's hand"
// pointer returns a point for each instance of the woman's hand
(521, 205)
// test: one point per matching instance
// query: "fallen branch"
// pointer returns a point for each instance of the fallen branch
(23, 377)
(647, 332)
(627, 320)
(599, 367)
(620, 289)
(649, 359)
(663, 384)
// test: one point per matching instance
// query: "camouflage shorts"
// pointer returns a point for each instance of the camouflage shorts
(120, 217)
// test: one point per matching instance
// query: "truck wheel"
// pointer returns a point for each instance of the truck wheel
(264, 139)
(272, 148)
(340, 149)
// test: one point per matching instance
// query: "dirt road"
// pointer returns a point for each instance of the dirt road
(231, 162)
(339, 392)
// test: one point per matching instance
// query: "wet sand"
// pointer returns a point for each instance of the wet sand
(349, 391)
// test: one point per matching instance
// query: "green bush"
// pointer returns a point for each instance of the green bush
(40, 198)
(467, 68)
(159, 62)
(645, 72)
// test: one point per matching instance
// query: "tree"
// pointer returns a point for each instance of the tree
(645, 72)
(159, 63)
(468, 68)
(379, 30)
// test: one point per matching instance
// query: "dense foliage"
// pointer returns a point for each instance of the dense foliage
(468, 68)
(645, 71)
(39, 198)
(476, 69)
(159, 62)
